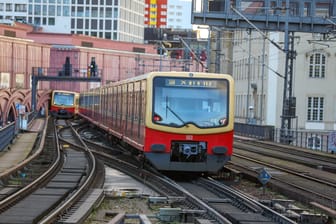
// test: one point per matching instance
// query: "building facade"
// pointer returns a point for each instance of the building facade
(108, 19)
(172, 14)
(156, 13)
(259, 68)
(179, 14)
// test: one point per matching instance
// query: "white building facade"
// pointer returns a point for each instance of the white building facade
(259, 69)
(109, 19)
(179, 14)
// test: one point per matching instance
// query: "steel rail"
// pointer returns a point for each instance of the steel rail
(37, 181)
(286, 170)
(23, 163)
(59, 210)
(275, 215)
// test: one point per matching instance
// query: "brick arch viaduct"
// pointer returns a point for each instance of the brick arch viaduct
(9, 98)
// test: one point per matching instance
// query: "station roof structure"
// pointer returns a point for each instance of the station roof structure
(312, 16)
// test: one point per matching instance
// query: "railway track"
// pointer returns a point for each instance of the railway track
(311, 158)
(302, 176)
(232, 204)
(188, 202)
(57, 187)
(185, 201)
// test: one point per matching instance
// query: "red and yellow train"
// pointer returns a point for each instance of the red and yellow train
(180, 121)
(64, 104)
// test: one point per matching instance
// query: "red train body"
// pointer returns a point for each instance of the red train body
(64, 104)
(180, 121)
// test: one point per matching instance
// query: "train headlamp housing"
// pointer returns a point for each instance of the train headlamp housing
(223, 121)
(157, 118)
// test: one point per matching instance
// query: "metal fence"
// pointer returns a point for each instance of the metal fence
(254, 131)
(7, 134)
(315, 140)
(10, 130)
(318, 141)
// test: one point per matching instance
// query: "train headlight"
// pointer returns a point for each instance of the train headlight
(157, 118)
(223, 121)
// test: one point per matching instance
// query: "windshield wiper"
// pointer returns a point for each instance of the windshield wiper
(175, 114)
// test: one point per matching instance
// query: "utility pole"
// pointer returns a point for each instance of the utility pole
(288, 101)
(248, 78)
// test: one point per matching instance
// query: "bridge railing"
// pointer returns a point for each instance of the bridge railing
(10, 130)
(315, 140)
(7, 134)
(260, 132)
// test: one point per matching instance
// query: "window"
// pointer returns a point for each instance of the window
(19, 81)
(73, 23)
(94, 12)
(87, 11)
(51, 10)
(80, 23)
(94, 24)
(108, 24)
(115, 13)
(9, 7)
(80, 11)
(37, 21)
(37, 10)
(314, 142)
(51, 21)
(44, 10)
(4, 80)
(20, 7)
(176, 104)
(87, 23)
(101, 25)
(66, 11)
(108, 35)
(59, 10)
(315, 108)
(115, 24)
(108, 12)
(317, 64)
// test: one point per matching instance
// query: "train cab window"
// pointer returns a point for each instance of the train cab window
(65, 99)
(181, 101)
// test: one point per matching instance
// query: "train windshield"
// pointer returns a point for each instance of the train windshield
(178, 102)
(64, 99)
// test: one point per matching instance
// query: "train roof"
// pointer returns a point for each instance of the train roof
(167, 73)
(177, 74)
(64, 91)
